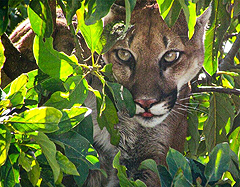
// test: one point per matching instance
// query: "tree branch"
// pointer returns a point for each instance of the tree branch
(16, 63)
(217, 89)
(228, 62)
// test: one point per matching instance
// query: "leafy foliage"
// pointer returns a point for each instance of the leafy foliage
(43, 140)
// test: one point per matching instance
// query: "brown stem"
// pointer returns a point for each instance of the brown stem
(16, 63)
(217, 89)
(52, 4)
(228, 62)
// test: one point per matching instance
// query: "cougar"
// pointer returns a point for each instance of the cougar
(155, 63)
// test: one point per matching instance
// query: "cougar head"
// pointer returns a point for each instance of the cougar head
(154, 61)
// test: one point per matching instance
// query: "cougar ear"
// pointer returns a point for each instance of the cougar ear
(116, 13)
(200, 27)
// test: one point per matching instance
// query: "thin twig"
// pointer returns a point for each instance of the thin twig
(217, 89)
(228, 61)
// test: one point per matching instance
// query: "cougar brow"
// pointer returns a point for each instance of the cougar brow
(130, 40)
(165, 41)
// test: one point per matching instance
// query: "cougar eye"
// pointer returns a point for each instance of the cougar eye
(171, 56)
(124, 55)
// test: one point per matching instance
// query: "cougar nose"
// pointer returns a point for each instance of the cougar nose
(145, 103)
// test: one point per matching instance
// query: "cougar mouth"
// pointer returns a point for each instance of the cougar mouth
(151, 112)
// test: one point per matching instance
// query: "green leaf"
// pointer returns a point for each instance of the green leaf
(107, 71)
(180, 179)
(189, 10)
(3, 16)
(129, 6)
(49, 150)
(123, 98)
(25, 162)
(71, 118)
(91, 33)
(101, 9)
(44, 119)
(40, 17)
(220, 111)
(44, 83)
(5, 140)
(34, 173)
(85, 128)
(77, 88)
(83, 169)
(10, 171)
(65, 165)
(164, 7)
(122, 175)
(112, 32)
(149, 164)
(108, 118)
(234, 140)
(193, 135)
(215, 34)
(14, 3)
(71, 8)
(176, 160)
(2, 57)
(165, 176)
(18, 90)
(221, 159)
(77, 148)
(173, 14)
(46, 58)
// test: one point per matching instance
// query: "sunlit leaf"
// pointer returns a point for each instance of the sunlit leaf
(46, 58)
(220, 21)
(71, 118)
(2, 57)
(49, 150)
(40, 17)
(189, 10)
(10, 171)
(164, 7)
(91, 33)
(222, 159)
(77, 88)
(18, 90)
(173, 14)
(5, 139)
(43, 119)
(34, 173)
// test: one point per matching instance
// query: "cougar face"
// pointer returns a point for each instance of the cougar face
(154, 62)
